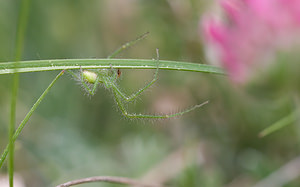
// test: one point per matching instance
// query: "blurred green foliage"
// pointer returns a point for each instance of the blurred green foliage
(72, 135)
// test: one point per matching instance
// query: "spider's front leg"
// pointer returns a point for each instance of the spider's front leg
(136, 94)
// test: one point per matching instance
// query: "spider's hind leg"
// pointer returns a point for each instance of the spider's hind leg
(149, 116)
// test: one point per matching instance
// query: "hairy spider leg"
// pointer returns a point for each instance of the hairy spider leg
(110, 80)
(126, 46)
(120, 98)
(132, 115)
(140, 91)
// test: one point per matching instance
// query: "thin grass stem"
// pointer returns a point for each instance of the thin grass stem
(21, 27)
(287, 120)
(108, 179)
(27, 117)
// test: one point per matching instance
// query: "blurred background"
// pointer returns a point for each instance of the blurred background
(72, 135)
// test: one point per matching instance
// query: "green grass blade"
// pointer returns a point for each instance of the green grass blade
(289, 119)
(22, 24)
(61, 64)
(25, 120)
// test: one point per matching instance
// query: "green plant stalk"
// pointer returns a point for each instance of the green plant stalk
(11, 131)
(27, 117)
(22, 23)
(289, 119)
(61, 64)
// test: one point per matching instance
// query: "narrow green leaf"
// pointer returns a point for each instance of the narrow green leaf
(289, 119)
(60, 64)
(21, 27)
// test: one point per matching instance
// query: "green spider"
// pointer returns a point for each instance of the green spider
(91, 79)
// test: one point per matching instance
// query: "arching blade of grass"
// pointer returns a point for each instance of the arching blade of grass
(25, 120)
(60, 64)
(289, 119)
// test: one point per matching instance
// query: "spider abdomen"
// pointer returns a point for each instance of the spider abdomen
(89, 76)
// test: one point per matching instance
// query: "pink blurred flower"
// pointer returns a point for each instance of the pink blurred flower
(254, 29)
